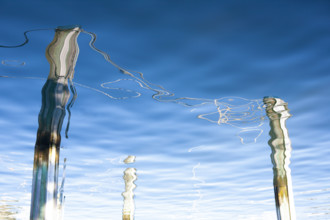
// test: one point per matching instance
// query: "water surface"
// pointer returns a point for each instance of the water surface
(186, 167)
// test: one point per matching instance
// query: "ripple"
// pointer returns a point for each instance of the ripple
(13, 63)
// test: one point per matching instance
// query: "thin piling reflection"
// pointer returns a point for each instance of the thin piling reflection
(60, 196)
(62, 55)
(280, 144)
(129, 178)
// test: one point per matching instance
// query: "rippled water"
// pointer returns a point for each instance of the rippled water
(221, 58)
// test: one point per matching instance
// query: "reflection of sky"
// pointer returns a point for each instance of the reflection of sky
(202, 50)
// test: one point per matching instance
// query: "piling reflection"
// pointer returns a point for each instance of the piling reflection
(60, 196)
(128, 195)
(62, 54)
(280, 144)
(245, 114)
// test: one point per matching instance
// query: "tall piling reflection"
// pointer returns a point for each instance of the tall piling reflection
(62, 55)
(278, 113)
(128, 195)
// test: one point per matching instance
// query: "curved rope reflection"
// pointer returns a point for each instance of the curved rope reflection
(245, 114)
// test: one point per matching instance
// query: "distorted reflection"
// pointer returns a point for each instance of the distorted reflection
(245, 114)
(128, 195)
(62, 54)
(278, 113)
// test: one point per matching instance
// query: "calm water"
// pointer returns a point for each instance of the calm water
(186, 167)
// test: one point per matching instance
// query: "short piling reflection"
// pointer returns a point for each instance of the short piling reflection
(129, 178)
(280, 144)
(62, 55)
(60, 196)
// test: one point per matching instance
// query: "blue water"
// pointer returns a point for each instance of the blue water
(187, 168)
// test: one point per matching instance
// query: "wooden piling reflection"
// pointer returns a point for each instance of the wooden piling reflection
(128, 195)
(280, 144)
(61, 54)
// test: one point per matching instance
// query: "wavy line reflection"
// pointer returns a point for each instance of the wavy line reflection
(245, 114)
